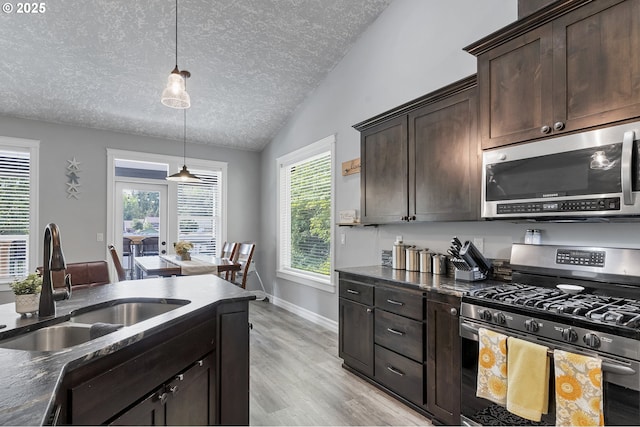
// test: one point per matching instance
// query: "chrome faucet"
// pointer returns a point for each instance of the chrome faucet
(53, 261)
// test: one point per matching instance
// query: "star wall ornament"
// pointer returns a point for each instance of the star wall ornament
(74, 165)
(73, 184)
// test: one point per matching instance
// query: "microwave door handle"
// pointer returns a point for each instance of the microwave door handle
(625, 167)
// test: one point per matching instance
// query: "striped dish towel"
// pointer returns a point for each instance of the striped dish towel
(492, 366)
(579, 396)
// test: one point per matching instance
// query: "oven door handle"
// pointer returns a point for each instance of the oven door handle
(471, 332)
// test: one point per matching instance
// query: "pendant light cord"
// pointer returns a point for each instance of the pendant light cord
(176, 33)
(184, 150)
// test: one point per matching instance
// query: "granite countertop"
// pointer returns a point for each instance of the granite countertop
(30, 380)
(423, 281)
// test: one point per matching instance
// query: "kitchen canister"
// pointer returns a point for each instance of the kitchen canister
(412, 259)
(439, 264)
(425, 261)
(398, 257)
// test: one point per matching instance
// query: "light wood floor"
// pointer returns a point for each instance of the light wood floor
(297, 378)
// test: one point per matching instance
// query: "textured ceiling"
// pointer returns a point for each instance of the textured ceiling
(103, 63)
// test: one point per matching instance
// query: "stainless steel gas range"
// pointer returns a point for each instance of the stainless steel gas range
(597, 313)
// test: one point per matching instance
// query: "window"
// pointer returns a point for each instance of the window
(306, 215)
(18, 199)
(199, 212)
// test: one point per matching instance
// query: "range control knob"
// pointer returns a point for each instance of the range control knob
(569, 335)
(500, 319)
(591, 340)
(485, 315)
(531, 325)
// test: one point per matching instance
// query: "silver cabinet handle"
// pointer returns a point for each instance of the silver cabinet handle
(179, 377)
(558, 125)
(545, 129)
(454, 311)
(369, 310)
(393, 331)
(351, 291)
(390, 301)
(395, 371)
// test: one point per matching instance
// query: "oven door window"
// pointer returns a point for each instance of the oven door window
(573, 173)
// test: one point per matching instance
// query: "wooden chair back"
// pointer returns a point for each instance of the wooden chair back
(229, 250)
(150, 246)
(244, 257)
(126, 246)
(122, 274)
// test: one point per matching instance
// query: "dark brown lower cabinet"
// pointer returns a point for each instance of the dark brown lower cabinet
(355, 336)
(443, 358)
(400, 374)
(195, 372)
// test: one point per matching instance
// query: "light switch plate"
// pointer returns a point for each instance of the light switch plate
(100, 237)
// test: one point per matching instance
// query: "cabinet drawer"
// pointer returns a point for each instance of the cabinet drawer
(356, 291)
(404, 303)
(402, 335)
(399, 374)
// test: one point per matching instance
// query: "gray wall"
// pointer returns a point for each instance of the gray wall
(80, 220)
(413, 48)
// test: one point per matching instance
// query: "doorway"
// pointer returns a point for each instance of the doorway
(140, 221)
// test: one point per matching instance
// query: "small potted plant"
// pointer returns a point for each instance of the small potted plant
(27, 292)
(182, 248)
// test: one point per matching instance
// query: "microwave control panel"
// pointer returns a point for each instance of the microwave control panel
(583, 205)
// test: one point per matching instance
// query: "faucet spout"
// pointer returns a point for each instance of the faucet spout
(53, 260)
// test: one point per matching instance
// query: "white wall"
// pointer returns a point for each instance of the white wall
(80, 220)
(413, 48)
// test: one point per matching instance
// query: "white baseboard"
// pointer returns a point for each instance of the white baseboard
(305, 314)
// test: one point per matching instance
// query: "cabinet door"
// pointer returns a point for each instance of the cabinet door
(355, 345)
(515, 84)
(444, 184)
(597, 64)
(383, 176)
(189, 401)
(443, 359)
(149, 412)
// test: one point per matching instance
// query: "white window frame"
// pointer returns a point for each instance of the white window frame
(33, 148)
(313, 280)
(175, 164)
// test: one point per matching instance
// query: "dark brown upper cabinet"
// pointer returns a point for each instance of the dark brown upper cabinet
(570, 66)
(419, 162)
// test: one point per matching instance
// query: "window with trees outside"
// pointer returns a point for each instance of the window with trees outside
(305, 203)
(18, 203)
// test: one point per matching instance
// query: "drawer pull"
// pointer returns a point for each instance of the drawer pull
(393, 331)
(351, 291)
(395, 371)
(390, 301)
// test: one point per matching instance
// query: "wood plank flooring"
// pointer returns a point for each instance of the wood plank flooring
(297, 378)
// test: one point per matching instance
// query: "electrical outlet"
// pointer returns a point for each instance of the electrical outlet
(343, 238)
(100, 237)
(478, 242)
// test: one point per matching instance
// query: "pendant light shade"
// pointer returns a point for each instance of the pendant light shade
(175, 94)
(184, 175)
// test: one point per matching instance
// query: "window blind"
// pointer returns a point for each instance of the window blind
(14, 214)
(199, 212)
(305, 215)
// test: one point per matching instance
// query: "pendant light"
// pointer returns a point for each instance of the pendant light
(175, 94)
(184, 175)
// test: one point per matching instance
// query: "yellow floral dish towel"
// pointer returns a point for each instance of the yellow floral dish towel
(492, 366)
(528, 379)
(578, 390)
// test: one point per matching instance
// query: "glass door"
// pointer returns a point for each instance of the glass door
(140, 221)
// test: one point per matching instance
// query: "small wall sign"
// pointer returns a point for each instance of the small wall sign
(73, 184)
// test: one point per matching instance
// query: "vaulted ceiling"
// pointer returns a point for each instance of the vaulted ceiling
(104, 63)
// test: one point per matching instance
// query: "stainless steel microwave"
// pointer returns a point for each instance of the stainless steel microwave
(589, 174)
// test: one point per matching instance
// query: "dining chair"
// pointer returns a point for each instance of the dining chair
(122, 273)
(243, 256)
(150, 246)
(126, 247)
(229, 250)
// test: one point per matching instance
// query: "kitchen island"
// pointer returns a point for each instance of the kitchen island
(146, 372)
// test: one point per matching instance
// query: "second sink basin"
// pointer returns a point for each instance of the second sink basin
(51, 338)
(126, 313)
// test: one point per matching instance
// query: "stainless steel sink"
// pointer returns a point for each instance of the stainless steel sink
(51, 338)
(126, 313)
